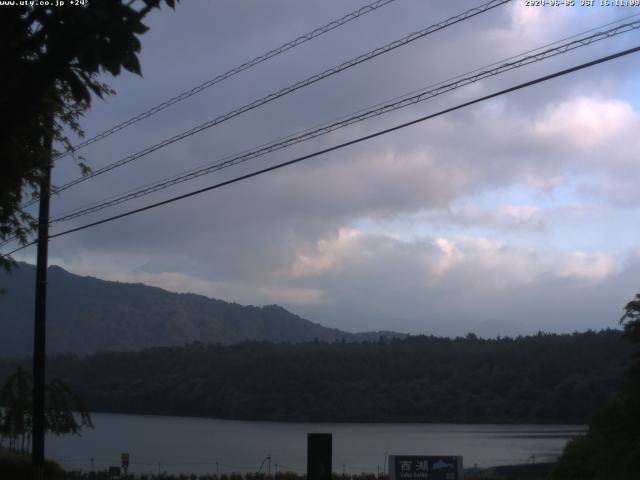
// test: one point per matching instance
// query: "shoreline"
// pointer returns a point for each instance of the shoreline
(571, 427)
(528, 471)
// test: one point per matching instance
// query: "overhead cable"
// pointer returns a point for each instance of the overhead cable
(344, 122)
(285, 91)
(283, 142)
(230, 73)
(342, 145)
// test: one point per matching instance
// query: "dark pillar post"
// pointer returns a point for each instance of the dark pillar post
(319, 456)
(39, 330)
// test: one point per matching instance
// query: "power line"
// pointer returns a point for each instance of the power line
(414, 36)
(230, 73)
(459, 76)
(381, 109)
(286, 141)
(345, 144)
(291, 88)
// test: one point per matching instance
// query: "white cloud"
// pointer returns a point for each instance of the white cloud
(446, 259)
(584, 123)
(449, 255)
(464, 278)
(330, 256)
(596, 267)
(529, 27)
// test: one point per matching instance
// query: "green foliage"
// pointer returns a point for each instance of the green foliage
(611, 448)
(51, 59)
(61, 403)
(17, 466)
(16, 398)
(539, 379)
(631, 320)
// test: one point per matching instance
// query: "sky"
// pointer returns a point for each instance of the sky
(511, 216)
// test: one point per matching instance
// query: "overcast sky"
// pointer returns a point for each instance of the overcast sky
(515, 215)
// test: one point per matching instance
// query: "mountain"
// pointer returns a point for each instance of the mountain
(87, 315)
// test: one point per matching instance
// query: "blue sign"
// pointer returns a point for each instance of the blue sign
(425, 467)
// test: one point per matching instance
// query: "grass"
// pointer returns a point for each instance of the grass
(17, 466)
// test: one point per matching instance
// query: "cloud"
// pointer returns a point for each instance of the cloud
(503, 218)
(530, 26)
(458, 260)
(331, 255)
(449, 255)
(416, 284)
(472, 208)
(584, 123)
(585, 266)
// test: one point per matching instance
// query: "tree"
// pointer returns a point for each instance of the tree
(611, 447)
(16, 396)
(51, 60)
(631, 320)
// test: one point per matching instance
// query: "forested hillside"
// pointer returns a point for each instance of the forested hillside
(543, 378)
(88, 315)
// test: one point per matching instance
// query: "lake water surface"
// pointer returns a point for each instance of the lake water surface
(200, 445)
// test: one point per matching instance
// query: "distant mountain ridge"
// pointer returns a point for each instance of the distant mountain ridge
(87, 315)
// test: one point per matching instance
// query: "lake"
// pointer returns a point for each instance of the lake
(201, 445)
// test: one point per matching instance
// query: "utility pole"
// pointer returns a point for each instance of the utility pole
(39, 328)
